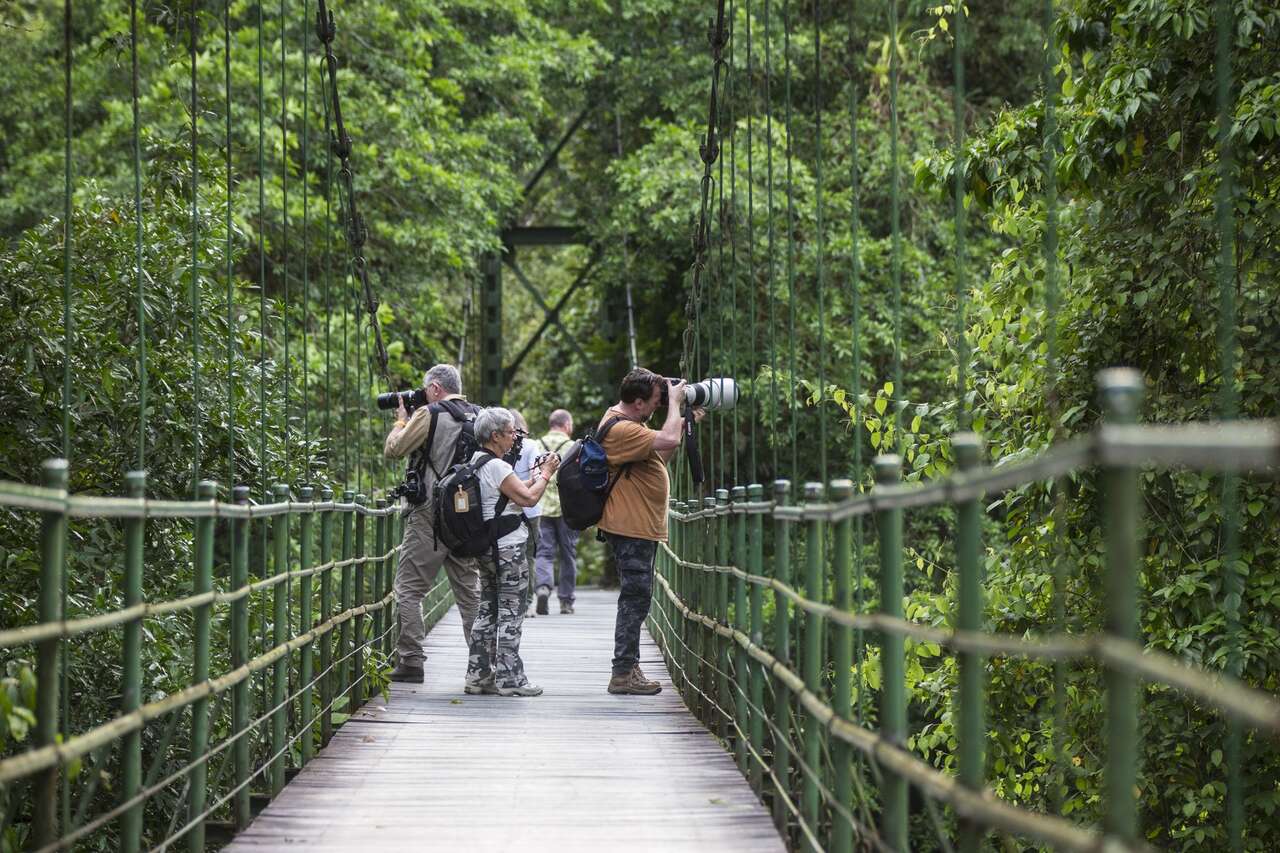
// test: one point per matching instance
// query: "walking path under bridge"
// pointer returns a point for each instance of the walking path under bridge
(576, 769)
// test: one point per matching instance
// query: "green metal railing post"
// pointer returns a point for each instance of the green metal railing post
(131, 693)
(723, 557)
(741, 624)
(393, 563)
(685, 590)
(357, 685)
(380, 570)
(347, 595)
(239, 656)
(280, 636)
(305, 623)
(893, 697)
(1121, 391)
(842, 661)
(755, 565)
(53, 544)
(326, 610)
(782, 651)
(709, 599)
(812, 663)
(198, 791)
(973, 697)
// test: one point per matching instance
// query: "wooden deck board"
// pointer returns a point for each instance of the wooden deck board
(575, 769)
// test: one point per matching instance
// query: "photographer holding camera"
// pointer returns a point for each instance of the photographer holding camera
(432, 436)
(635, 514)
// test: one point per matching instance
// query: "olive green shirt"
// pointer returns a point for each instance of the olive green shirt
(553, 442)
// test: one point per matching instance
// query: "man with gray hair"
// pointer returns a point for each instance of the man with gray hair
(433, 438)
(557, 538)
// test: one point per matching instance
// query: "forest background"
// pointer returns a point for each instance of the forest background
(452, 106)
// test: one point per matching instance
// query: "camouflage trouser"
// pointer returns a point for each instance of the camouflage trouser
(635, 575)
(495, 635)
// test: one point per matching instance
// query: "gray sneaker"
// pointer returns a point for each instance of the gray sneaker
(522, 690)
(566, 607)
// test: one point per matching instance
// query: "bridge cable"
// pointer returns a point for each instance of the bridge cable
(137, 220)
(752, 286)
(232, 322)
(895, 225)
(821, 243)
(194, 282)
(791, 241)
(773, 353)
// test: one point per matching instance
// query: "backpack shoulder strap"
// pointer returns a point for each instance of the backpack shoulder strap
(624, 468)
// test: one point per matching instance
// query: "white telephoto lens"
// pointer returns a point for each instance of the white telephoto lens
(720, 393)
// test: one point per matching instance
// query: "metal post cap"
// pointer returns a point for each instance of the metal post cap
(968, 447)
(755, 491)
(888, 468)
(813, 492)
(841, 489)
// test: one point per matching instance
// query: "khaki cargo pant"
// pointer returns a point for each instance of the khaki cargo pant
(420, 562)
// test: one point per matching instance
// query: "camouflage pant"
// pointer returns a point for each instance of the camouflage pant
(635, 576)
(495, 635)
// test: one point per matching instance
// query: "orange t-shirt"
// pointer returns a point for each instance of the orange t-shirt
(637, 506)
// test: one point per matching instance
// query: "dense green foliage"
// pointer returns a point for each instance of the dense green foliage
(452, 106)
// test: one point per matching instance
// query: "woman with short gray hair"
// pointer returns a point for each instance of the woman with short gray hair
(494, 665)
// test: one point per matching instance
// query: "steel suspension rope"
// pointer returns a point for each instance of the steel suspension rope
(731, 227)
(1228, 396)
(773, 351)
(232, 323)
(137, 222)
(791, 240)
(895, 224)
(306, 239)
(195, 250)
(821, 242)
(752, 469)
(357, 234)
(284, 237)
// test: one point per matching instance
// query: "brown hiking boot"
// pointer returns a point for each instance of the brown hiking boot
(633, 683)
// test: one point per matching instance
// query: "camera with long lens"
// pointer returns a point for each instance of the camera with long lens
(411, 489)
(721, 393)
(412, 399)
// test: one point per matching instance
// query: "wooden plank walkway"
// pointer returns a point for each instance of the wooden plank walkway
(575, 769)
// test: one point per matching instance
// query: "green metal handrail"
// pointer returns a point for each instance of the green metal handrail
(352, 621)
(693, 622)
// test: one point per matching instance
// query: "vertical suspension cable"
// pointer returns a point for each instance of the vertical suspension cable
(773, 352)
(960, 169)
(822, 241)
(328, 279)
(1049, 169)
(284, 238)
(306, 239)
(1228, 397)
(137, 249)
(195, 247)
(262, 279)
(791, 241)
(231, 317)
(895, 224)
(717, 347)
(752, 470)
(731, 227)
(66, 232)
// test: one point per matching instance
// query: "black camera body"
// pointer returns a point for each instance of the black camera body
(411, 489)
(412, 399)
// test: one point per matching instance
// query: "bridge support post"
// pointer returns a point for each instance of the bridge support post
(280, 636)
(53, 544)
(708, 598)
(972, 733)
(893, 697)
(240, 528)
(812, 662)
(347, 595)
(380, 579)
(687, 592)
(131, 694)
(1121, 390)
(326, 610)
(356, 698)
(724, 556)
(740, 677)
(202, 583)
(755, 565)
(842, 661)
(305, 623)
(782, 651)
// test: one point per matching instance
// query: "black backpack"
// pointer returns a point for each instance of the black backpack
(458, 517)
(464, 447)
(583, 479)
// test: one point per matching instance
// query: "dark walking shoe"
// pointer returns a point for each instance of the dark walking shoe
(566, 607)
(407, 674)
(633, 683)
(542, 603)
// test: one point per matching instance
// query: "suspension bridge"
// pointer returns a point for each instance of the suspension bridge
(778, 629)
